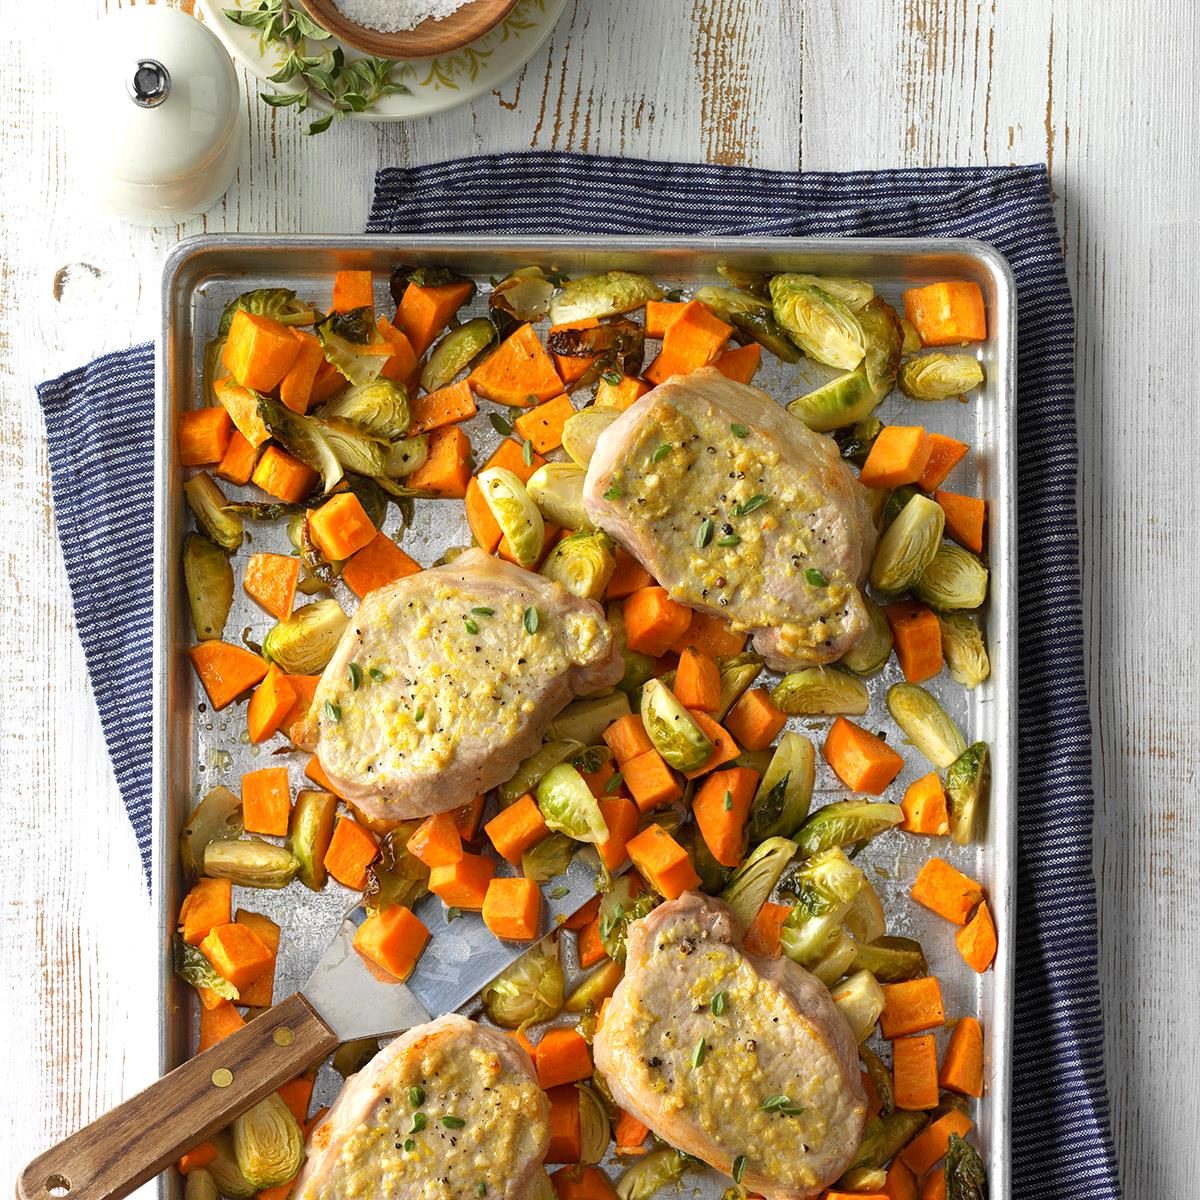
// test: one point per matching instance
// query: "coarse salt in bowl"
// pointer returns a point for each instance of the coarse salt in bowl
(406, 29)
(395, 16)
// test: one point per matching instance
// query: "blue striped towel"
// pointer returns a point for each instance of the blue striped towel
(100, 426)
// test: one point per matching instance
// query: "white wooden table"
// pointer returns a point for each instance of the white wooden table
(1101, 90)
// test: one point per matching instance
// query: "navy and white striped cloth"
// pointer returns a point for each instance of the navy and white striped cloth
(99, 422)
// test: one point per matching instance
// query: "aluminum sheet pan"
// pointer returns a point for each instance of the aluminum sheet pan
(195, 749)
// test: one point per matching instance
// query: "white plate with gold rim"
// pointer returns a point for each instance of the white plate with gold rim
(433, 84)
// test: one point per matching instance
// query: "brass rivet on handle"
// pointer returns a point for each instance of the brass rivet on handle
(222, 1077)
(283, 1036)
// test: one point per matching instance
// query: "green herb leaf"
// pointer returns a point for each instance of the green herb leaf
(557, 893)
(419, 714)
(452, 1122)
(730, 539)
(615, 492)
(332, 711)
(502, 425)
(661, 452)
(728, 802)
(416, 1096)
(531, 619)
(611, 377)
(282, 99)
(815, 578)
(481, 611)
(698, 1053)
(704, 533)
(472, 627)
(614, 784)
(419, 1121)
(739, 430)
(355, 672)
(376, 674)
(481, 1190)
(717, 1004)
(527, 452)
(781, 1104)
(675, 295)
(739, 1168)
(751, 505)
(452, 914)
(409, 1145)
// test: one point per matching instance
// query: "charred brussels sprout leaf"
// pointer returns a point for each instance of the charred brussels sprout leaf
(785, 790)
(912, 339)
(192, 967)
(967, 781)
(965, 1176)
(557, 490)
(515, 512)
(670, 727)
(817, 691)
(568, 806)
(268, 1143)
(855, 442)
(597, 986)
(865, 921)
(823, 326)
(304, 438)
(396, 876)
(251, 862)
(755, 880)
(964, 649)
(892, 959)
(303, 643)
(427, 276)
(379, 407)
(925, 723)
(217, 818)
(456, 352)
(940, 376)
(583, 563)
(621, 345)
(844, 823)
(897, 502)
(618, 910)
(757, 283)
(885, 1136)
(209, 581)
(402, 459)
(880, 1076)
(523, 296)
(352, 344)
(310, 830)
(908, 546)
(606, 295)
(824, 886)
(212, 514)
(874, 647)
(529, 991)
(954, 579)
(280, 304)
(855, 294)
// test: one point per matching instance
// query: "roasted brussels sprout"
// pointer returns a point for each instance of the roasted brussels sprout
(757, 283)
(860, 1000)
(657, 1170)
(251, 862)
(193, 967)
(844, 823)
(615, 345)
(280, 304)
(541, 1188)
(586, 720)
(515, 513)
(855, 442)
(835, 961)
(353, 345)
(738, 673)
(310, 831)
(824, 327)
(304, 438)
(954, 579)
(583, 563)
(424, 276)
(597, 986)
(595, 1128)
(865, 921)
(557, 490)
(529, 774)
(225, 1171)
(844, 400)
(880, 1076)
(200, 1185)
(892, 959)
(967, 781)
(303, 643)
(940, 376)
(550, 857)
(217, 818)
(619, 908)
(964, 649)
(670, 727)
(396, 876)
(568, 806)
(908, 545)
(925, 723)
(885, 1136)
(359, 453)
(524, 295)
(379, 407)
(208, 506)
(824, 886)
(785, 790)
(752, 316)
(820, 692)
(605, 295)
(208, 578)
(965, 1176)
(456, 352)
(582, 431)
(529, 991)
(755, 880)
(881, 324)
(638, 667)
(268, 1142)
(404, 457)
(874, 648)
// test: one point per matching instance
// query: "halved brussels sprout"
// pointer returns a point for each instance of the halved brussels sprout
(396, 876)
(881, 323)
(529, 774)
(954, 579)
(755, 880)
(550, 857)
(843, 400)
(823, 326)
(280, 304)
(359, 453)
(217, 818)
(595, 1129)
(908, 545)
(885, 1136)
(193, 967)
(303, 643)
(200, 1185)
(208, 506)
(568, 806)
(865, 921)
(967, 781)
(456, 352)
(940, 376)
(379, 407)
(657, 1170)
(835, 961)
(964, 649)
(892, 959)
(820, 692)
(785, 790)
(583, 563)
(670, 727)
(604, 295)
(824, 886)
(404, 457)
(860, 1000)
(877, 1071)
(226, 1172)
(844, 823)
(523, 295)
(208, 578)
(874, 648)
(304, 438)
(751, 315)
(251, 862)
(912, 339)
(515, 513)
(597, 986)
(557, 490)
(854, 293)
(310, 830)
(724, 301)
(757, 283)
(582, 431)
(528, 991)
(738, 673)
(619, 908)
(353, 344)
(638, 667)
(586, 720)
(925, 723)
(966, 1178)
(268, 1143)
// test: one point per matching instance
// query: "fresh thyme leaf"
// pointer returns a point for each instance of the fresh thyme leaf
(481, 611)
(781, 1104)
(557, 893)
(452, 914)
(739, 430)
(611, 377)
(730, 539)
(376, 674)
(502, 425)
(332, 711)
(419, 714)
(419, 1121)
(452, 1122)
(472, 626)
(698, 1053)
(728, 801)
(355, 672)
(704, 533)
(752, 505)
(661, 453)
(816, 578)
(717, 1004)
(531, 619)
(416, 1096)
(614, 783)
(527, 452)
(739, 1168)
(615, 492)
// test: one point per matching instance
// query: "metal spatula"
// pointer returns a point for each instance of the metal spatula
(342, 1001)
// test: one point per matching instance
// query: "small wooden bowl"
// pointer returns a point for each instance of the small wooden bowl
(427, 40)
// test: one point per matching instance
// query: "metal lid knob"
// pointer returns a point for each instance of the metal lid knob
(151, 83)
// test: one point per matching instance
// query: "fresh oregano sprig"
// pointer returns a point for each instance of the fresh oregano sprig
(345, 86)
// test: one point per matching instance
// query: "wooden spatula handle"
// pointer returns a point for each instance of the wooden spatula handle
(118, 1152)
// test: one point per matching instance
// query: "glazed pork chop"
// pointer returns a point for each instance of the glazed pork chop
(772, 1075)
(749, 514)
(449, 1109)
(445, 680)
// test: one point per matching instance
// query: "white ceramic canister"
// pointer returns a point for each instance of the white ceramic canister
(162, 116)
